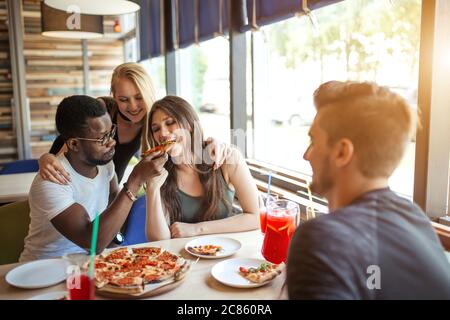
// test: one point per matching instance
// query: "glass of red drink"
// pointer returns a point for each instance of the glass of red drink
(79, 284)
(282, 219)
(264, 200)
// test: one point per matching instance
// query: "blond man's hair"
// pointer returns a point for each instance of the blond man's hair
(137, 74)
(379, 122)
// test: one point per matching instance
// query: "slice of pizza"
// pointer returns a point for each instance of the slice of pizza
(104, 272)
(124, 279)
(206, 250)
(121, 253)
(164, 146)
(155, 274)
(148, 251)
(162, 267)
(167, 256)
(129, 286)
(265, 272)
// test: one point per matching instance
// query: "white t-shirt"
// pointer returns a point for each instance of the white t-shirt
(48, 199)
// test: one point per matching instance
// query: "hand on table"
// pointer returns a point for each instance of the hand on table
(183, 230)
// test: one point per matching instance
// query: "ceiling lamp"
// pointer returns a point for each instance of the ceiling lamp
(98, 7)
(70, 25)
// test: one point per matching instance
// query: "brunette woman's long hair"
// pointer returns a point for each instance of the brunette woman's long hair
(186, 117)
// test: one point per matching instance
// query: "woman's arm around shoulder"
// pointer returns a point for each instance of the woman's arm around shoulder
(51, 169)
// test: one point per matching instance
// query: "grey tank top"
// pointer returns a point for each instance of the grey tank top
(191, 206)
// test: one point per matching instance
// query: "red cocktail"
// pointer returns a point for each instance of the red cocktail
(281, 222)
(264, 201)
(81, 287)
(262, 220)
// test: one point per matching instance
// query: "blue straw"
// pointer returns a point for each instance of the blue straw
(93, 246)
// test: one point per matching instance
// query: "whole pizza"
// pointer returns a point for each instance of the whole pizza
(129, 270)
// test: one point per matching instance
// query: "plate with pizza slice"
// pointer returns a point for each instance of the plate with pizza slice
(133, 273)
(246, 272)
(213, 247)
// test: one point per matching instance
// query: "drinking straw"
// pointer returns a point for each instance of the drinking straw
(93, 246)
(268, 185)
(313, 213)
(269, 180)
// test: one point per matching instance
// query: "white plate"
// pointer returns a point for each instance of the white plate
(58, 295)
(38, 274)
(227, 272)
(229, 246)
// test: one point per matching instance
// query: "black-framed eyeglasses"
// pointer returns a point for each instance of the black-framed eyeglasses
(105, 139)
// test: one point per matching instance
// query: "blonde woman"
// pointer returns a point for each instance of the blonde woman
(133, 94)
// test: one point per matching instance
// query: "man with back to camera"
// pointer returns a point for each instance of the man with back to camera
(62, 215)
(373, 244)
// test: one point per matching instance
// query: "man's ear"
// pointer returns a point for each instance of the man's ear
(73, 144)
(344, 152)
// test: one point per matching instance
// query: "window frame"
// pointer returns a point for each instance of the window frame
(432, 144)
(430, 184)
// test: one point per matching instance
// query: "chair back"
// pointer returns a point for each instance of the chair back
(14, 224)
(21, 166)
(135, 228)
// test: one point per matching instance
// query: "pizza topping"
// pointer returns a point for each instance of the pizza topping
(264, 267)
(168, 257)
(150, 278)
(117, 254)
(149, 251)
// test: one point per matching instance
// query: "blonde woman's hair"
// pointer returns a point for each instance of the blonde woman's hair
(137, 74)
(379, 122)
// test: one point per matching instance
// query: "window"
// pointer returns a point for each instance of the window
(130, 50)
(448, 190)
(126, 24)
(354, 40)
(250, 136)
(204, 82)
(155, 67)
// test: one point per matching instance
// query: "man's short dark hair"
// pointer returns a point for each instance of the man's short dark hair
(73, 112)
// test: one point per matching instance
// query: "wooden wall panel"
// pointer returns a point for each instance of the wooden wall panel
(8, 147)
(54, 70)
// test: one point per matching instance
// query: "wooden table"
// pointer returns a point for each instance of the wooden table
(199, 277)
(15, 187)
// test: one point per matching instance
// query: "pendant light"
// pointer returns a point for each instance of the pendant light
(70, 25)
(97, 7)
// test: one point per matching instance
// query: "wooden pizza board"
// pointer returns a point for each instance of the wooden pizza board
(149, 292)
